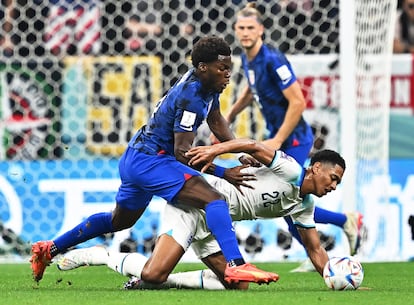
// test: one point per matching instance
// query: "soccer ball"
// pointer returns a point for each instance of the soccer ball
(343, 273)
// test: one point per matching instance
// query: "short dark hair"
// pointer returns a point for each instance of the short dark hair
(208, 49)
(328, 156)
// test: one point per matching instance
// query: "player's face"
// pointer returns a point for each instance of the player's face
(248, 31)
(218, 74)
(409, 8)
(326, 178)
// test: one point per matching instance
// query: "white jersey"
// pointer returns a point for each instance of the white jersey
(275, 194)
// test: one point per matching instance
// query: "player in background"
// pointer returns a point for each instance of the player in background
(273, 85)
(155, 163)
(404, 28)
(283, 188)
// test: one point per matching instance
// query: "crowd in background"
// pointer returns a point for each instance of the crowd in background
(404, 27)
(71, 27)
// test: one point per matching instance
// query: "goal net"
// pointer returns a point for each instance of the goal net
(374, 23)
(374, 29)
(90, 71)
(77, 78)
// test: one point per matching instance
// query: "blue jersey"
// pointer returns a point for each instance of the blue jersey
(148, 167)
(268, 74)
(182, 109)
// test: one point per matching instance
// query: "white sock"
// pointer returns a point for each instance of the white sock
(129, 264)
(97, 256)
(199, 279)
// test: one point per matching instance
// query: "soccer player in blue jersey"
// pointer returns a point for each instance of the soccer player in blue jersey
(155, 163)
(273, 85)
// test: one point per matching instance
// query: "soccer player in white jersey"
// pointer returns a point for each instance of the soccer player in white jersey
(282, 188)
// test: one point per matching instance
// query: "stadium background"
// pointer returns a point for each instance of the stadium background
(69, 108)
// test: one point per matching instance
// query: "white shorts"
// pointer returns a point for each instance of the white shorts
(188, 227)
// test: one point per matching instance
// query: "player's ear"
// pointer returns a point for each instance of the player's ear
(202, 67)
(261, 29)
(315, 167)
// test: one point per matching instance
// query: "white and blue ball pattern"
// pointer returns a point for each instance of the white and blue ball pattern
(343, 273)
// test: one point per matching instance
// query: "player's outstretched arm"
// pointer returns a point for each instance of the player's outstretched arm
(206, 154)
(316, 252)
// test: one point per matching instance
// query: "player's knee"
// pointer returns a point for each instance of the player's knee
(124, 219)
(119, 224)
(214, 196)
(199, 193)
(154, 276)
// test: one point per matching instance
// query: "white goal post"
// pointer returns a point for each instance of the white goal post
(366, 34)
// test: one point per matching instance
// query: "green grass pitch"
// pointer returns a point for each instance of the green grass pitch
(385, 283)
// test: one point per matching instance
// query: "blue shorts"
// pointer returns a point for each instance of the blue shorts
(300, 153)
(145, 175)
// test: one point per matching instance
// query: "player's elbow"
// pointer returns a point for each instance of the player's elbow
(300, 104)
(252, 146)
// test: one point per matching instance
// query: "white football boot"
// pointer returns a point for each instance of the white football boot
(353, 230)
(306, 266)
(93, 256)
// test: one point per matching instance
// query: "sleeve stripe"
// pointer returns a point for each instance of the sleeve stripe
(303, 225)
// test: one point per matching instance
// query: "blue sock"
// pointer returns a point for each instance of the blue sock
(292, 229)
(219, 222)
(325, 216)
(91, 227)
